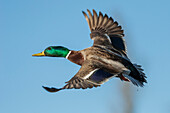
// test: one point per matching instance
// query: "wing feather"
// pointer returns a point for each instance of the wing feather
(100, 20)
(105, 19)
(95, 18)
(90, 19)
(100, 26)
(109, 23)
(87, 19)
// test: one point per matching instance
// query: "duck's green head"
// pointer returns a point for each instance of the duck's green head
(54, 51)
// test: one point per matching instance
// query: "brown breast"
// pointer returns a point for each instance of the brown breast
(76, 57)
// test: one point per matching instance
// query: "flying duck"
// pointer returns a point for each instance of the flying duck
(105, 59)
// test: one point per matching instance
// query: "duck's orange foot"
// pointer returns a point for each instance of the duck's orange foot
(124, 78)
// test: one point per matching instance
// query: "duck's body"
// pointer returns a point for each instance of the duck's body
(105, 59)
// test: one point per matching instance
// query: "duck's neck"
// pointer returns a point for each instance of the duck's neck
(75, 57)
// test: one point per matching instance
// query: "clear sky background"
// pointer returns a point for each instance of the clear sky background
(29, 26)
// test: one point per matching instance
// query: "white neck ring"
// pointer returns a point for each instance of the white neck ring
(68, 55)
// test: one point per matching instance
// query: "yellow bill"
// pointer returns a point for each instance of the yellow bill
(39, 54)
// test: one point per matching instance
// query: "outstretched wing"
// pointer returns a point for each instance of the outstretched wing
(91, 75)
(88, 76)
(105, 31)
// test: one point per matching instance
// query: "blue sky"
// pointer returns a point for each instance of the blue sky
(29, 26)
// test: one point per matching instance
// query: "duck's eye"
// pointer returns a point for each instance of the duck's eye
(48, 48)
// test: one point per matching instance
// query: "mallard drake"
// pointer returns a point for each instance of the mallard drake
(105, 59)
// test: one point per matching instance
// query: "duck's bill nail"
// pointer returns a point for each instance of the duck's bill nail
(39, 54)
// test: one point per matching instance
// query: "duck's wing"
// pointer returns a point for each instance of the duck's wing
(88, 76)
(105, 31)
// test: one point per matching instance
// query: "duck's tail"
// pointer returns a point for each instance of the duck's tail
(136, 76)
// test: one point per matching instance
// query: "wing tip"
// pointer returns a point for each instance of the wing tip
(101, 22)
(93, 10)
(52, 89)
